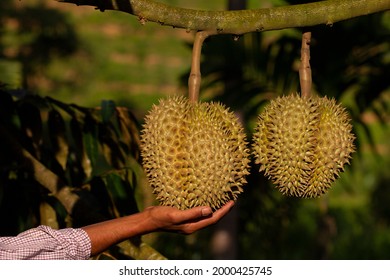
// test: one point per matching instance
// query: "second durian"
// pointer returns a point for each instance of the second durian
(302, 143)
(194, 154)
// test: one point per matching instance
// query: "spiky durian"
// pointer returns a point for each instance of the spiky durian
(303, 143)
(194, 153)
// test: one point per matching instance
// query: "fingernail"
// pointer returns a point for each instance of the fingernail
(206, 212)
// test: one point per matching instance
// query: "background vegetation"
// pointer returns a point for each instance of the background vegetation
(85, 57)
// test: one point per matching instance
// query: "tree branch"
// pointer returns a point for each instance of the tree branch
(242, 21)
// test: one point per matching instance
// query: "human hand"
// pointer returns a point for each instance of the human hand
(171, 219)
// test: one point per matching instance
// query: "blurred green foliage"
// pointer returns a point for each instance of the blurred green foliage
(84, 56)
(92, 151)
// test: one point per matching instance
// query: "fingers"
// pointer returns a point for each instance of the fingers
(186, 221)
(217, 215)
(206, 221)
(224, 210)
(206, 211)
(203, 213)
(182, 216)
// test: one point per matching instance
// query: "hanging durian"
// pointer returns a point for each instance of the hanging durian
(302, 143)
(194, 153)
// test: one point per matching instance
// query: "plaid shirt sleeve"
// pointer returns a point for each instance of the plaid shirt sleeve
(45, 243)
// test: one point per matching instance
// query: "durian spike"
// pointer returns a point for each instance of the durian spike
(304, 68)
(195, 75)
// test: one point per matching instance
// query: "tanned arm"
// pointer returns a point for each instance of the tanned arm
(155, 218)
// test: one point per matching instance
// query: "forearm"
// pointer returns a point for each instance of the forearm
(105, 234)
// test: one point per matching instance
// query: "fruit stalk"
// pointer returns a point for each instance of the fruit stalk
(304, 69)
(195, 75)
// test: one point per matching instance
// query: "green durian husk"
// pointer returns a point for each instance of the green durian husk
(303, 143)
(194, 154)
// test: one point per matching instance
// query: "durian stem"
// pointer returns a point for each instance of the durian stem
(195, 75)
(304, 69)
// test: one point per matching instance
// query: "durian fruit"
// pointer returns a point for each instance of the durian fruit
(302, 143)
(194, 154)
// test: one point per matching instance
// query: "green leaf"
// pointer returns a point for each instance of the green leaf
(79, 150)
(109, 115)
(65, 107)
(48, 215)
(116, 186)
(105, 256)
(121, 194)
(129, 132)
(98, 189)
(111, 147)
(58, 138)
(31, 126)
(108, 110)
(7, 107)
(90, 140)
